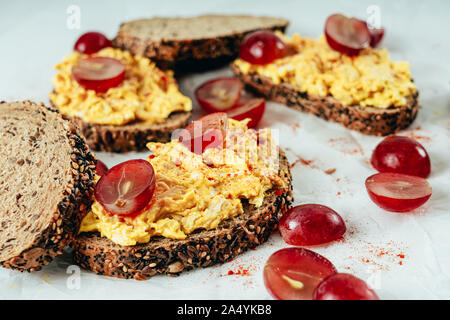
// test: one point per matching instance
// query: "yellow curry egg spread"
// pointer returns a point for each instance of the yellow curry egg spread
(146, 94)
(197, 191)
(368, 79)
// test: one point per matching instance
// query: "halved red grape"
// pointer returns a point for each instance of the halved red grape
(126, 188)
(262, 47)
(311, 224)
(294, 273)
(398, 192)
(206, 132)
(91, 42)
(100, 168)
(346, 35)
(401, 155)
(99, 73)
(376, 35)
(343, 286)
(253, 109)
(219, 94)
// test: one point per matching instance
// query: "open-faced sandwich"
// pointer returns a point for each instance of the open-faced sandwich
(200, 199)
(46, 184)
(215, 190)
(339, 77)
(120, 101)
(192, 43)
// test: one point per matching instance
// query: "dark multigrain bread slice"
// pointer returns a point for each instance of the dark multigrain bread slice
(130, 137)
(200, 249)
(367, 120)
(46, 183)
(188, 44)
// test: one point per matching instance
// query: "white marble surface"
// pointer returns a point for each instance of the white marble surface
(405, 256)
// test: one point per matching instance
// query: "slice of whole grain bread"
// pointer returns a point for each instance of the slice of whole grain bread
(194, 43)
(200, 249)
(367, 120)
(46, 183)
(130, 137)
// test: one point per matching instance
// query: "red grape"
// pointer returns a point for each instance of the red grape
(262, 47)
(225, 95)
(219, 94)
(206, 132)
(401, 155)
(126, 188)
(346, 35)
(343, 286)
(293, 273)
(253, 109)
(99, 73)
(376, 35)
(398, 192)
(311, 224)
(91, 42)
(100, 168)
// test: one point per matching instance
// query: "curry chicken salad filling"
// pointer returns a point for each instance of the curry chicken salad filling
(367, 79)
(146, 93)
(196, 191)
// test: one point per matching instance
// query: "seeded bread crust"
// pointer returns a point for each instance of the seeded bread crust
(129, 137)
(207, 47)
(75, 200)
(200, 249)
(367, 120)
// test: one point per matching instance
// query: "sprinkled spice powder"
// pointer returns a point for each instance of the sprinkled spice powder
(341, 144)
(295, 127)
(278, 192)
(302, 161)
(309, 163)
(244, 268)
(412, 135)
(382, 256)
(239, 272)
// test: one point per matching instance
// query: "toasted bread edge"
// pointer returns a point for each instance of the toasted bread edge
(129, 137)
